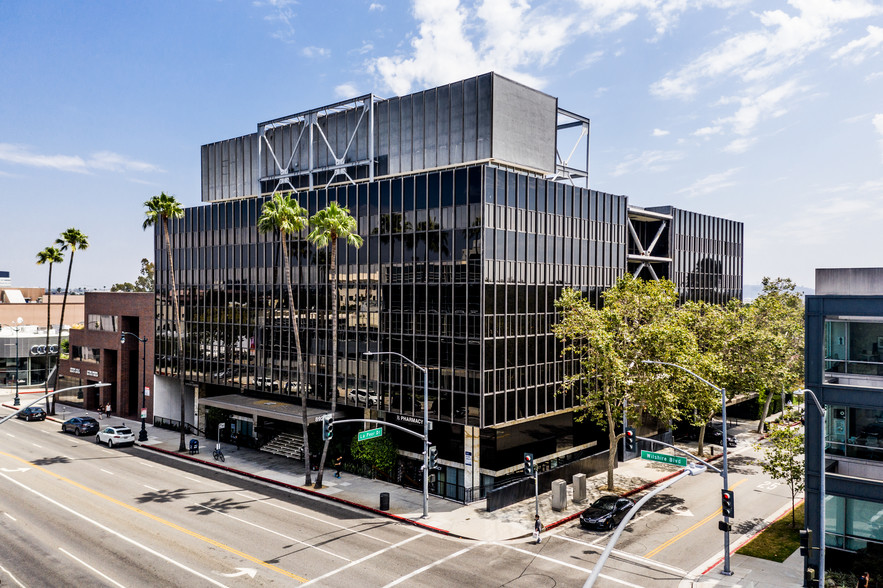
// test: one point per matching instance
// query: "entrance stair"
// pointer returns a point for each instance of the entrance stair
(286, 444)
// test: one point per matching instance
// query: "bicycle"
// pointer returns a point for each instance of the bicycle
(217, 453)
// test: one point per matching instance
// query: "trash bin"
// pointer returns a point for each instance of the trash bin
(194, 446)
(384, 501)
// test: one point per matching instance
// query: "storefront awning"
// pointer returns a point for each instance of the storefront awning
(272, 409)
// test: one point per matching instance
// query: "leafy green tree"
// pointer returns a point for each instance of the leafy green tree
(637, 322)
(783, 460)
(378, 453)
(283, 214)
(71, 239)
(144, 283)
(50, 255)
(327, 226)
(160, 209)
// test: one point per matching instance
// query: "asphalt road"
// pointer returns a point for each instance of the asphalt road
(75, 513)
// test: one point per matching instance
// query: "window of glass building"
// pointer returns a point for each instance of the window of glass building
(855, 432)
(854, 347)
(853, 524)
(102, 322)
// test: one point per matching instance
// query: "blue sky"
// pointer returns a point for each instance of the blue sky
(766, 112)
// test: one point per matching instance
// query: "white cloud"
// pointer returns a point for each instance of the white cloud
(648, 161)
(753, 108)
(739, 145)
(281, 13)
(315, 52)
(660, 133)
(878, 125)
(710, 184)
(102, 160)
(860, 49)
(376, 6)
(707, 131)
(346, 90)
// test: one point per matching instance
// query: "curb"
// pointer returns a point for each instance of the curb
(307, 491)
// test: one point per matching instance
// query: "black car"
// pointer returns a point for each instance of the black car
(714, 435)
(82, 425)
(605, 513)
(32, 413)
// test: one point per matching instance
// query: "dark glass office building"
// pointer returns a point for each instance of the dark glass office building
(471, 230)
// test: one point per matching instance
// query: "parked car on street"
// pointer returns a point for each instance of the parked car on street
(119, 435)
(81, 425)
(605, 513)
(32, 413)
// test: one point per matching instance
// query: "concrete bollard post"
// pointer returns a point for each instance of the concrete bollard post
(579, 488)
(559, 495)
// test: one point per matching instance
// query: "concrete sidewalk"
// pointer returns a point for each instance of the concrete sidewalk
(470, 521)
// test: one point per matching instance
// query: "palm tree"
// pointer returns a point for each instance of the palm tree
(328, 225)
(72, 239)
(49, 255)
(284, 215)
(160, 209)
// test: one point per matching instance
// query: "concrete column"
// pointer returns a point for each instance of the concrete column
(559, 495)
(579, 488)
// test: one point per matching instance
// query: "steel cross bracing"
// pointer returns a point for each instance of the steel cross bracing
(645, 257)
(563, 168)
(308, 122)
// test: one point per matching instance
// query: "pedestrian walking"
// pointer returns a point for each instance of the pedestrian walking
(864, 581)
(107, 410)
(537, 527)
(337, 465)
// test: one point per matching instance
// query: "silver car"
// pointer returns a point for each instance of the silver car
(120, 435)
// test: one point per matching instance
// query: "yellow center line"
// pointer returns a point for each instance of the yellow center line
(162, 521)
(694, 527)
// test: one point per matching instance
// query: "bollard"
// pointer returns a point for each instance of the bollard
(384, 501)
(559, 495)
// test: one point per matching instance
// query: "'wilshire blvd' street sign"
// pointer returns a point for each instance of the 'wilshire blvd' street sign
(661, 457)
(371, 433)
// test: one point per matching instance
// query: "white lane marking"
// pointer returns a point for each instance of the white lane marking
(109, 451)
(271, 531)
(113, 532)
(145, 464)
(10, 516)
(366, 558)
(193, 479)
(435, 563)
(306, 516)
(106, 471)
(10, 435)
(84, 564)
(37, 446)
(14, 579)
(630, 556)
(151, 488)
(568, 565)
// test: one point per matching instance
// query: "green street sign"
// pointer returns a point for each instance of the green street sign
(663, 458)
(371, 433)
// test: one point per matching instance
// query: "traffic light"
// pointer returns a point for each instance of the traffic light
(327, 427)
(433, 457)
(805, 542)
(528, 464)
(727, 506)
(630, 439)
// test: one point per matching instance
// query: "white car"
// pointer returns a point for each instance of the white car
(119, 435)
(362, 396)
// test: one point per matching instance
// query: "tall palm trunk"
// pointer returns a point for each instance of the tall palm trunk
(50, 409)
(295, 328)
(179, 326)
(48, 327)
(334, 305)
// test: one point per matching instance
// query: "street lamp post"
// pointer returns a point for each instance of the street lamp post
(17, 401)
(142, 436)
(425, 425)
(822, 424)
(726, 571)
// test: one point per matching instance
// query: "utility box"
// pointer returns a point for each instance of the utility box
(579, 488)
(559, 495)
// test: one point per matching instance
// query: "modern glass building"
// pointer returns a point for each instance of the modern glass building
(844, 369)
(471, 230)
